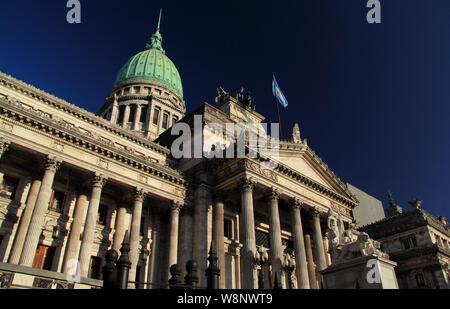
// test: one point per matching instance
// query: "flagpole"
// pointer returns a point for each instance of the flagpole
(279, 119)
(278, 112)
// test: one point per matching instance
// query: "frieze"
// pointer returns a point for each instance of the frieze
(57, 103)
(256, 167)
(83, 142)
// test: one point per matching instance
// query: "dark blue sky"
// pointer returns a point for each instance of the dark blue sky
(373, 100)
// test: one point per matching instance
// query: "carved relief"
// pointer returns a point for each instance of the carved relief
(103, 163)
(143, 178)
(256, 167)
(6, 126)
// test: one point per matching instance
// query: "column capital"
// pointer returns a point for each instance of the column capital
(51, 163)
(175, 206)
(315, 212)
(272, 194)
(295, 203)
(139, 194)
(246, 184)
(99, 180)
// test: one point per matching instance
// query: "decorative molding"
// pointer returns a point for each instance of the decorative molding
(247, 184)
(92, 143)
(139, 194)
(256, 167)
(272, 194)
(52, 164)
(175, 206)
(98, 180)
(296, 204)
(315, 212)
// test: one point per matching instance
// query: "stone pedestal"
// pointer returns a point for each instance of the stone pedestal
(366, 272)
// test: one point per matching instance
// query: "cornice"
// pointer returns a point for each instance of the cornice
(403, 222)
(282, 170)
(35, 121)
(54, 102)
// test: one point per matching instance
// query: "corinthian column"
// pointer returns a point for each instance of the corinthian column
(218, 235)
(318, 241)
(25, 219)
(73, 243)
(139, 196)
(40, 208)
(249, 273)
(311, 264)
(137, 116)
(275, 237)
(299, 245)
(174, 218)
(120, 226)
(91, 221)
(114, 111)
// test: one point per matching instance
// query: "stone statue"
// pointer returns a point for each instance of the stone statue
(333, 230)
(363, 246)
(416, 203)
(222, 95)
(240, 95)
(295, 137)
(247, 101)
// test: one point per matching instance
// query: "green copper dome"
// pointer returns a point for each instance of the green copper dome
(152, 65)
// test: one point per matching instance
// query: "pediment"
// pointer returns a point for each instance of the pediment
(311, 166)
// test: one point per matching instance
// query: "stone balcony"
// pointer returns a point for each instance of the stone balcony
(21, 277)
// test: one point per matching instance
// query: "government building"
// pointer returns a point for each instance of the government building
(74, 183)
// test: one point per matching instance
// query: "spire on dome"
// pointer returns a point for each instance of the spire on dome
(156, 39)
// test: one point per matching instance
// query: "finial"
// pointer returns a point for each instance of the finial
(159, 21)
(156, 39)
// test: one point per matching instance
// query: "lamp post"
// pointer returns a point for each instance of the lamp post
(289, 266)
(261, 258)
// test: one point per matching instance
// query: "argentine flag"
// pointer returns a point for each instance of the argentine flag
(278, 94)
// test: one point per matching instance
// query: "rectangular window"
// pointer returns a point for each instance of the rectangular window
(95, 268)
(56, 201)
(413, 241)
(228, 228)
(174, 120)
(43, 258)
(156, 116)
(9, 186)
(132, 113)
(405, 243)
(144, 111)
(137, 89)
(165, 122)
(121, 114)
(101, 215)
(126, 91)
(420, 280)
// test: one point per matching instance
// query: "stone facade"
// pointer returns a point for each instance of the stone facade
(74, 182)
(420, 244)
